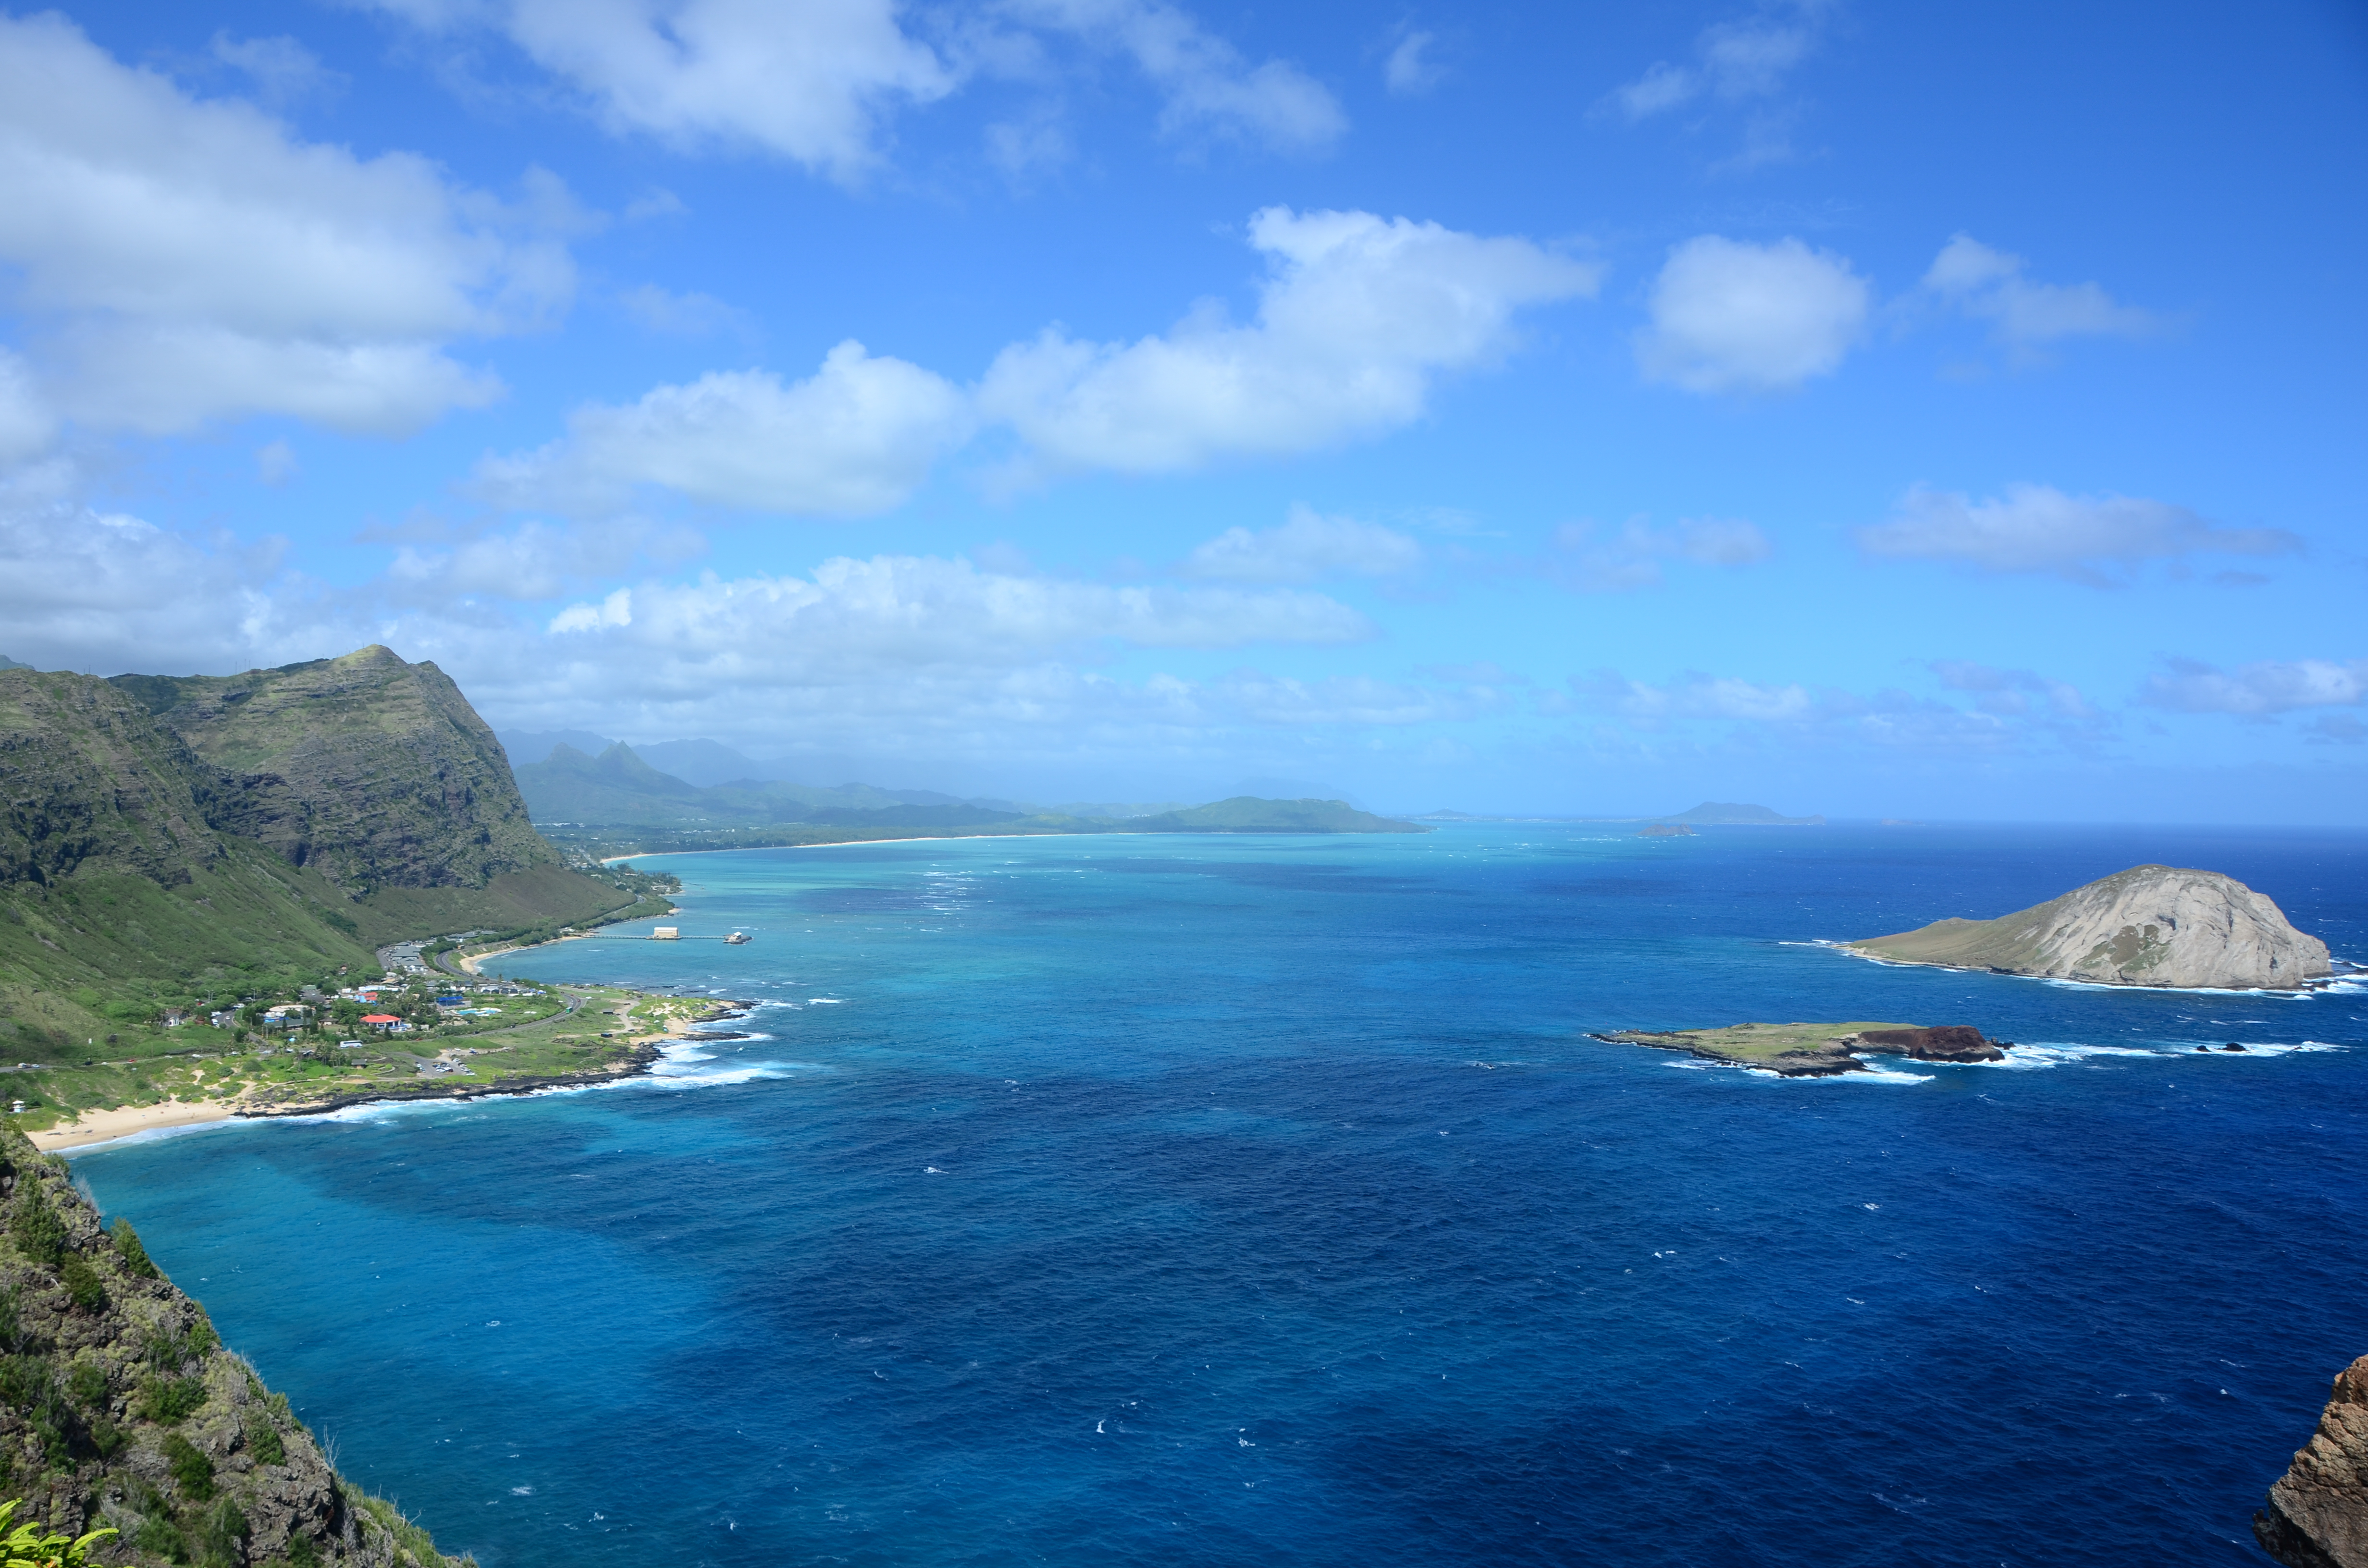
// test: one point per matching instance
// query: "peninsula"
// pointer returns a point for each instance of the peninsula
(2156, 925)
(1818, 1051)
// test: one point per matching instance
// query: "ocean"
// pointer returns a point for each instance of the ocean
(1232, 1201)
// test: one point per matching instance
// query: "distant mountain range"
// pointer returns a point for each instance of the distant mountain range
(1710, 813)
(577, 794)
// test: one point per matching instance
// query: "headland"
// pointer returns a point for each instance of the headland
(2152, 925)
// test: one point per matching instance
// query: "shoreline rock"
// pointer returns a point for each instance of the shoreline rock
(1817, 1051)
(2317, 1511)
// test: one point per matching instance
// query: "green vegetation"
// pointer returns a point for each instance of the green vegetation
(135, 1410)
(27, 1545)
(1812, 1051)
(174, 849)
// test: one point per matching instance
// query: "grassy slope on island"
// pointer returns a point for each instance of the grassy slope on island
(1817, 1051)
(119, 1408)
(138, 876)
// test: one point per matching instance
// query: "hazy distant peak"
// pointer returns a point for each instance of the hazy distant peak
(1733, 814)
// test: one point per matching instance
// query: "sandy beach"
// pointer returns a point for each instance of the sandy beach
(99, 1126)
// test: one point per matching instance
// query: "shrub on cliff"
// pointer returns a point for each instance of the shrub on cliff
(35, 1227)
(83, 1287)
(193, 1473)
(128, 1247)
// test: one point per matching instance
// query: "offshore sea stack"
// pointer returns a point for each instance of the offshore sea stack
(2147, 926)
(2317, 1515)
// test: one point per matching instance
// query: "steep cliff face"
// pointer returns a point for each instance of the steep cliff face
(2147, 926)
(2317, 1515)
(373, 771)
(118, 1407)
(90, 781)
(167, 841)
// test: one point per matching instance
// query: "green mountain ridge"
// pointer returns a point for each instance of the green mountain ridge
(170, 842)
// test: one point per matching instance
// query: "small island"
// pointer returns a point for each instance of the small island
(2156, 925)
(1665, 830)
(1818, 1051)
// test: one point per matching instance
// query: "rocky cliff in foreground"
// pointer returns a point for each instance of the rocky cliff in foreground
(2317, 1515)
(2147, 926)
(119, 1408)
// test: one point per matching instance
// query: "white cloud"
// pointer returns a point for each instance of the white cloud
(1729, 316)
(819, 82)
(180, 260)
(2259, 690)
(807, 80)
(2096, 539)
(926, 609)
(1742, 63)
(1353, 700)
(1211, 89)
(2009, 693)
(856, 438)
(28, 425)
(1409, 72)
(1357, 316)
(1764, 716)
(89, 590)
(1663, 86)
(1990, 285)
(1307, 548)
(284, 70)
(1592, 561)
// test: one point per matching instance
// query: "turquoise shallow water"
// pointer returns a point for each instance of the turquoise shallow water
(1260, 1201)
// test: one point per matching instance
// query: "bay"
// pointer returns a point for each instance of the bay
(1249, 1199)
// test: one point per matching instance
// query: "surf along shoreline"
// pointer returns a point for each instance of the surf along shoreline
(643, 1051)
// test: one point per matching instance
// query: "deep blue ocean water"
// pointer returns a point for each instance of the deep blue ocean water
(1247, 1200)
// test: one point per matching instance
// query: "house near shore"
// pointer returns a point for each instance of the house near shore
(385, 1023)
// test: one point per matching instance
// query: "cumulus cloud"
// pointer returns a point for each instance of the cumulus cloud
(2260, 690)
(1307, 548)
(180, 260)
(1590, 560)
(809, 81)
(819, 83)
(1990, 285)
(1731, 316)
(2097, 539)
(1358, 317)
(856, 438)
(103, 591)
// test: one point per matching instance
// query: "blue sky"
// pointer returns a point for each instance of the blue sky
(1875, 411)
